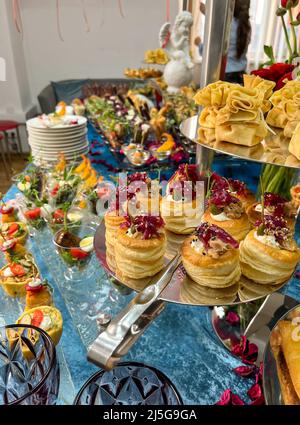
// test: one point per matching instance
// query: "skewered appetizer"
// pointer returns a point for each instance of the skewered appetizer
(34, 217)
(8, 213)
(38, 293)
(15, 276)
(181, 207)
(140, 247)
(227, 211)
(45, 317)
(14, 230)
(286, 350)
(269, 253)
(273, 205)
(211, 257)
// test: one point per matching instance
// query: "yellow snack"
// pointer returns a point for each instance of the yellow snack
(15, 276)
(168, 145)
(45, 317)
(82, 166)
(61, 165)
(14, 230)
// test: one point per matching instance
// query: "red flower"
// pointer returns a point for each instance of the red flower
(277, 73)
(228, 398)
(280, 83)
(232, 318)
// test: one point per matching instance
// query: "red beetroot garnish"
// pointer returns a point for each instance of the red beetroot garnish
(276, 226)
(237, 186)
(246, 350)
(245, 371)
(232, 318)
(206, 232)
(147, 225)
(222, 198)
(272, 200)
(228, 398)
(185, 173)
(218, 182)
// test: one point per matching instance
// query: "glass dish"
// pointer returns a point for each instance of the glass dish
(29, 373)
(129, 383)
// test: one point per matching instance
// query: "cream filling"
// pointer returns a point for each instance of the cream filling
(197, 245)
(7, 272)
(220, 217)
(34, 283)
(258, 208)
(267, 240)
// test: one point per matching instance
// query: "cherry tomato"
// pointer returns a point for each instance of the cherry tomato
(33, 214)
(58, 216)
(17, 269)
(78, 253)
(37, 318)
(13, 228)
(55, 190)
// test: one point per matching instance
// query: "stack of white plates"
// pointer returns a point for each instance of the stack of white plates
(47, 142)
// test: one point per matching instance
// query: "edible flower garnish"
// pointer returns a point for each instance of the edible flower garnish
(218, 182)
(276, 226)
(148, 225)
(209, 232)
(185, 173)
(274, 203)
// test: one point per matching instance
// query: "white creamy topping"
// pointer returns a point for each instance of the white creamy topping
(7, 272)
(34, 283)
(8, 244)
(267, 240)
(220, 217)
(197, 245)
(258, 208)
(46, 323)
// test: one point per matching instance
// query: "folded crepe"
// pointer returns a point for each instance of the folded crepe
(292, 111)
(208, 117)
(287, 92)
(294, 146)
(242, 104)
(277, 117)
(265, 86)
(214, 94)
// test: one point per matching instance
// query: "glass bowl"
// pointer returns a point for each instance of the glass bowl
(138, 157)
(75, 257)
(29, 373)
(129, 383)
(160, 156)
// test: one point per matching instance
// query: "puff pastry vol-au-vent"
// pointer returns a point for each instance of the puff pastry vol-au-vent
(269, 253)
(227, 211)
(274, 205)
(211, 257)
(237, 188)
(182, 206)
(140, 247)
(286, 351)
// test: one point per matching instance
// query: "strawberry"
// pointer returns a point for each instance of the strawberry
(13, 228)
(78, 253)
(37, 318)
(17, 269)
(33, 214)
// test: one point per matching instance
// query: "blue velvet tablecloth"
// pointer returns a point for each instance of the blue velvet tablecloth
(181, 342)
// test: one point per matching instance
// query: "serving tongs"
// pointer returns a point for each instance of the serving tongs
(122, 331)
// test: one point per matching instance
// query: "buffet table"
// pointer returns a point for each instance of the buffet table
(181, 342)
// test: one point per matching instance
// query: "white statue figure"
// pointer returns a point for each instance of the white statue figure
(179, 70)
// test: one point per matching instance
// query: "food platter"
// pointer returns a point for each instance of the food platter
(181, 289)
(271, 383)
(272, 150)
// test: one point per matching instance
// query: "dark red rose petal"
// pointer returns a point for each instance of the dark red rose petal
(255, 392)
(245, 371)
(228, 398)
(232, 318)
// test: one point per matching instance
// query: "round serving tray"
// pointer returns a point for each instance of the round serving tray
(271, 384)
(272, 150)
(181, 289)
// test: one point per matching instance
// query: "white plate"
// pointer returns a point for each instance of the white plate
(49, 143)
(38, 124)
(58, 148)
(53, 157)
(57, 135)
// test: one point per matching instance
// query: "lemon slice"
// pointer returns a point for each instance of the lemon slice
(87, 244)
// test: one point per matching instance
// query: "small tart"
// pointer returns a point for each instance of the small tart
(54, 324)
(254, 216)
(15, 286)
(181, 217)
(23, 230)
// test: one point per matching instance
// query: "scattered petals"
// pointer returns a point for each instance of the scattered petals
(245, 371)
(255, 392)
(228, 398)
